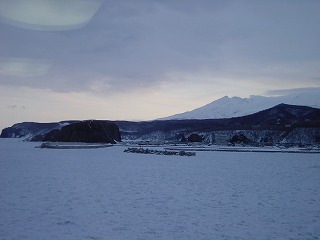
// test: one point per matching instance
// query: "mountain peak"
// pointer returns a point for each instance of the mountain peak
(226, 97)
(227, 107)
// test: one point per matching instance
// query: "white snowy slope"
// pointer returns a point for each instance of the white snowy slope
(227, 107)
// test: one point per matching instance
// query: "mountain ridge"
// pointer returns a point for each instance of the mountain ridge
(271, 126)
(227, 107)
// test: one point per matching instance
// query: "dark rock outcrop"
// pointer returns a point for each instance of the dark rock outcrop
(158, 152)
(91, 131)
(240, 139)
(195, 138)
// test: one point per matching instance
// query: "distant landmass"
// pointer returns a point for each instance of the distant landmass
(281, 124)
(236, 107)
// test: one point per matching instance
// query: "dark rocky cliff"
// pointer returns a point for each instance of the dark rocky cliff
(91, 131)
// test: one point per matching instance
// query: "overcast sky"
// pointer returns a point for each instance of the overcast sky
(145, 59)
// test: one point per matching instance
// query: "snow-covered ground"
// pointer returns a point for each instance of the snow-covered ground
(108, 194)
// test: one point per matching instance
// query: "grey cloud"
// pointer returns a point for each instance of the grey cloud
(285, 92)
(24, 67)
(14, 106)
(48, 15)
(129, 44)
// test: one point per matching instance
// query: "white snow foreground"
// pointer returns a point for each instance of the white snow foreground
(237, 107)
(108, 194)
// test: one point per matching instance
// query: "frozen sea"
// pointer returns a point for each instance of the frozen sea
(108, 194)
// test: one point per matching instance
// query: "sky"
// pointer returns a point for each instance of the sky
(146, 59)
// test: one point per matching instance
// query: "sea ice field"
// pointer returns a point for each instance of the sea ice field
(105, 193)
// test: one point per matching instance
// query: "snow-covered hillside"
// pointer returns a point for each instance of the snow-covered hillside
(227, 107)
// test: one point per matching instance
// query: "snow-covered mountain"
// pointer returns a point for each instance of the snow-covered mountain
(227, 107)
